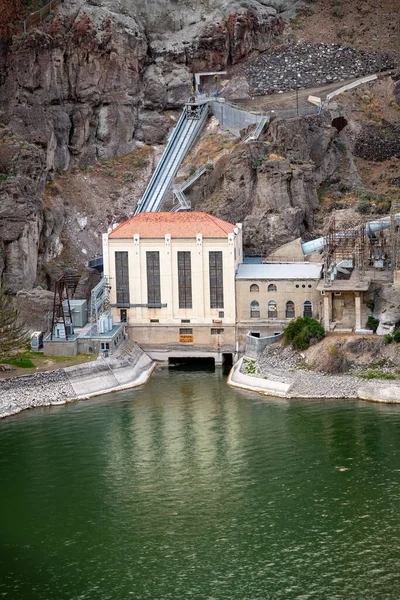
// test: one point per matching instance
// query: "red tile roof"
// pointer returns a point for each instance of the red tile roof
(179, 225)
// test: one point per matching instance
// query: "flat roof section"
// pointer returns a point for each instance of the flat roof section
(278, 271)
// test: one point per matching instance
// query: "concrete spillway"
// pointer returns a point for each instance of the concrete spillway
(184, 134)
(370, 229)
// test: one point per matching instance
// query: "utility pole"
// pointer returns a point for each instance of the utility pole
(398, 41)
(380, 38)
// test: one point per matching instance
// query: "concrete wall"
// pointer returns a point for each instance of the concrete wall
(88, 346)
(255, 346)
(111, 374)
(256, 384)
(156, 334)
(64, 348)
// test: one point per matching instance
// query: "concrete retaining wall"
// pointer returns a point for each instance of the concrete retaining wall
(350, 86)
(389, 394)
(76, 382)
(256, 384)
(109, 374)
(255, 346)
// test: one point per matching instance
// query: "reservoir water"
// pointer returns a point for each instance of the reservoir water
(188, 489)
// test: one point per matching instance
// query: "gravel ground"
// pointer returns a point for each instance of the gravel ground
(284, 364)
(29, 391)
(305, 65)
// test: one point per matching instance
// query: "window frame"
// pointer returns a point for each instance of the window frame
(290, 313)
(121, 260)
(216, 279)
(272, 314)
(254, 309)
(153, 279)
(184, 265)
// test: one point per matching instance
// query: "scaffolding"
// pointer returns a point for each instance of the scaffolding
(344, 247)
(64, 289)
(353, 243)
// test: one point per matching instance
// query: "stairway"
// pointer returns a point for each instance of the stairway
(185, 133)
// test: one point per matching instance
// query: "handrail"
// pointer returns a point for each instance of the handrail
(37, 17)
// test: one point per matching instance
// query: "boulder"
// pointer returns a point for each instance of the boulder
(387, 308)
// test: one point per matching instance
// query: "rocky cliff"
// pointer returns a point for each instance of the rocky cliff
(271, 185)
(89, 85)
(102, 79)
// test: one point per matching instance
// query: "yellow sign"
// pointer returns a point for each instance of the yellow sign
(184, 339)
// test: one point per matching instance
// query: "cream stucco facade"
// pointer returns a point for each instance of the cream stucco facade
(168, 324)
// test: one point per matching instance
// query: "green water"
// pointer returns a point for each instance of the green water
(187, 489)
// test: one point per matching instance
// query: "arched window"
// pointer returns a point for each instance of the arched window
(272, 309)
(254, 287)
(290, 310)
(272, 287)
(307, 308)
(254, 310)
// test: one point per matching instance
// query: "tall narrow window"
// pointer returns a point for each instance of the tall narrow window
(290, 312)
(122, 277)
(153, 278)
(184, 280)
(272, 309)
(216, 280)
(254, 310)
(307, 308)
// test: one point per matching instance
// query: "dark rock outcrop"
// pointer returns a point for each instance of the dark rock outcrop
(271, 186)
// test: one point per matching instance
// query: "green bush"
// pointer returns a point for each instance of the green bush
(129, 176)
(387, 338)
(257, 162)
(396, 336)
(363, 207)
(372, 324)
(302, 332)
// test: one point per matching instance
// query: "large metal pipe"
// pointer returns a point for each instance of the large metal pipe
(370, 229)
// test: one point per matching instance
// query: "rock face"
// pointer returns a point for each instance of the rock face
(91, 83)
(23, 174)
(271, 186)
(387, 309)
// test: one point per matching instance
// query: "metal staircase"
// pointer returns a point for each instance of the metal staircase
(252, 137)
(184, 134)
(183, 202)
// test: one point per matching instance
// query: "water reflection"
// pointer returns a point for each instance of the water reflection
(187, 488)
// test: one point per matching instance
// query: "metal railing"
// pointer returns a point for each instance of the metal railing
(252, 137)
(37, 17)
(183, 202)
(182, 138)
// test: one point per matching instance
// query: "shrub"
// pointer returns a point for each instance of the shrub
(363, 207)
(302, 332)
(387, 338)
(128, 176)
(257, 162)
(333, 361)
(372, 323)
(338, 12)
(396, 336)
